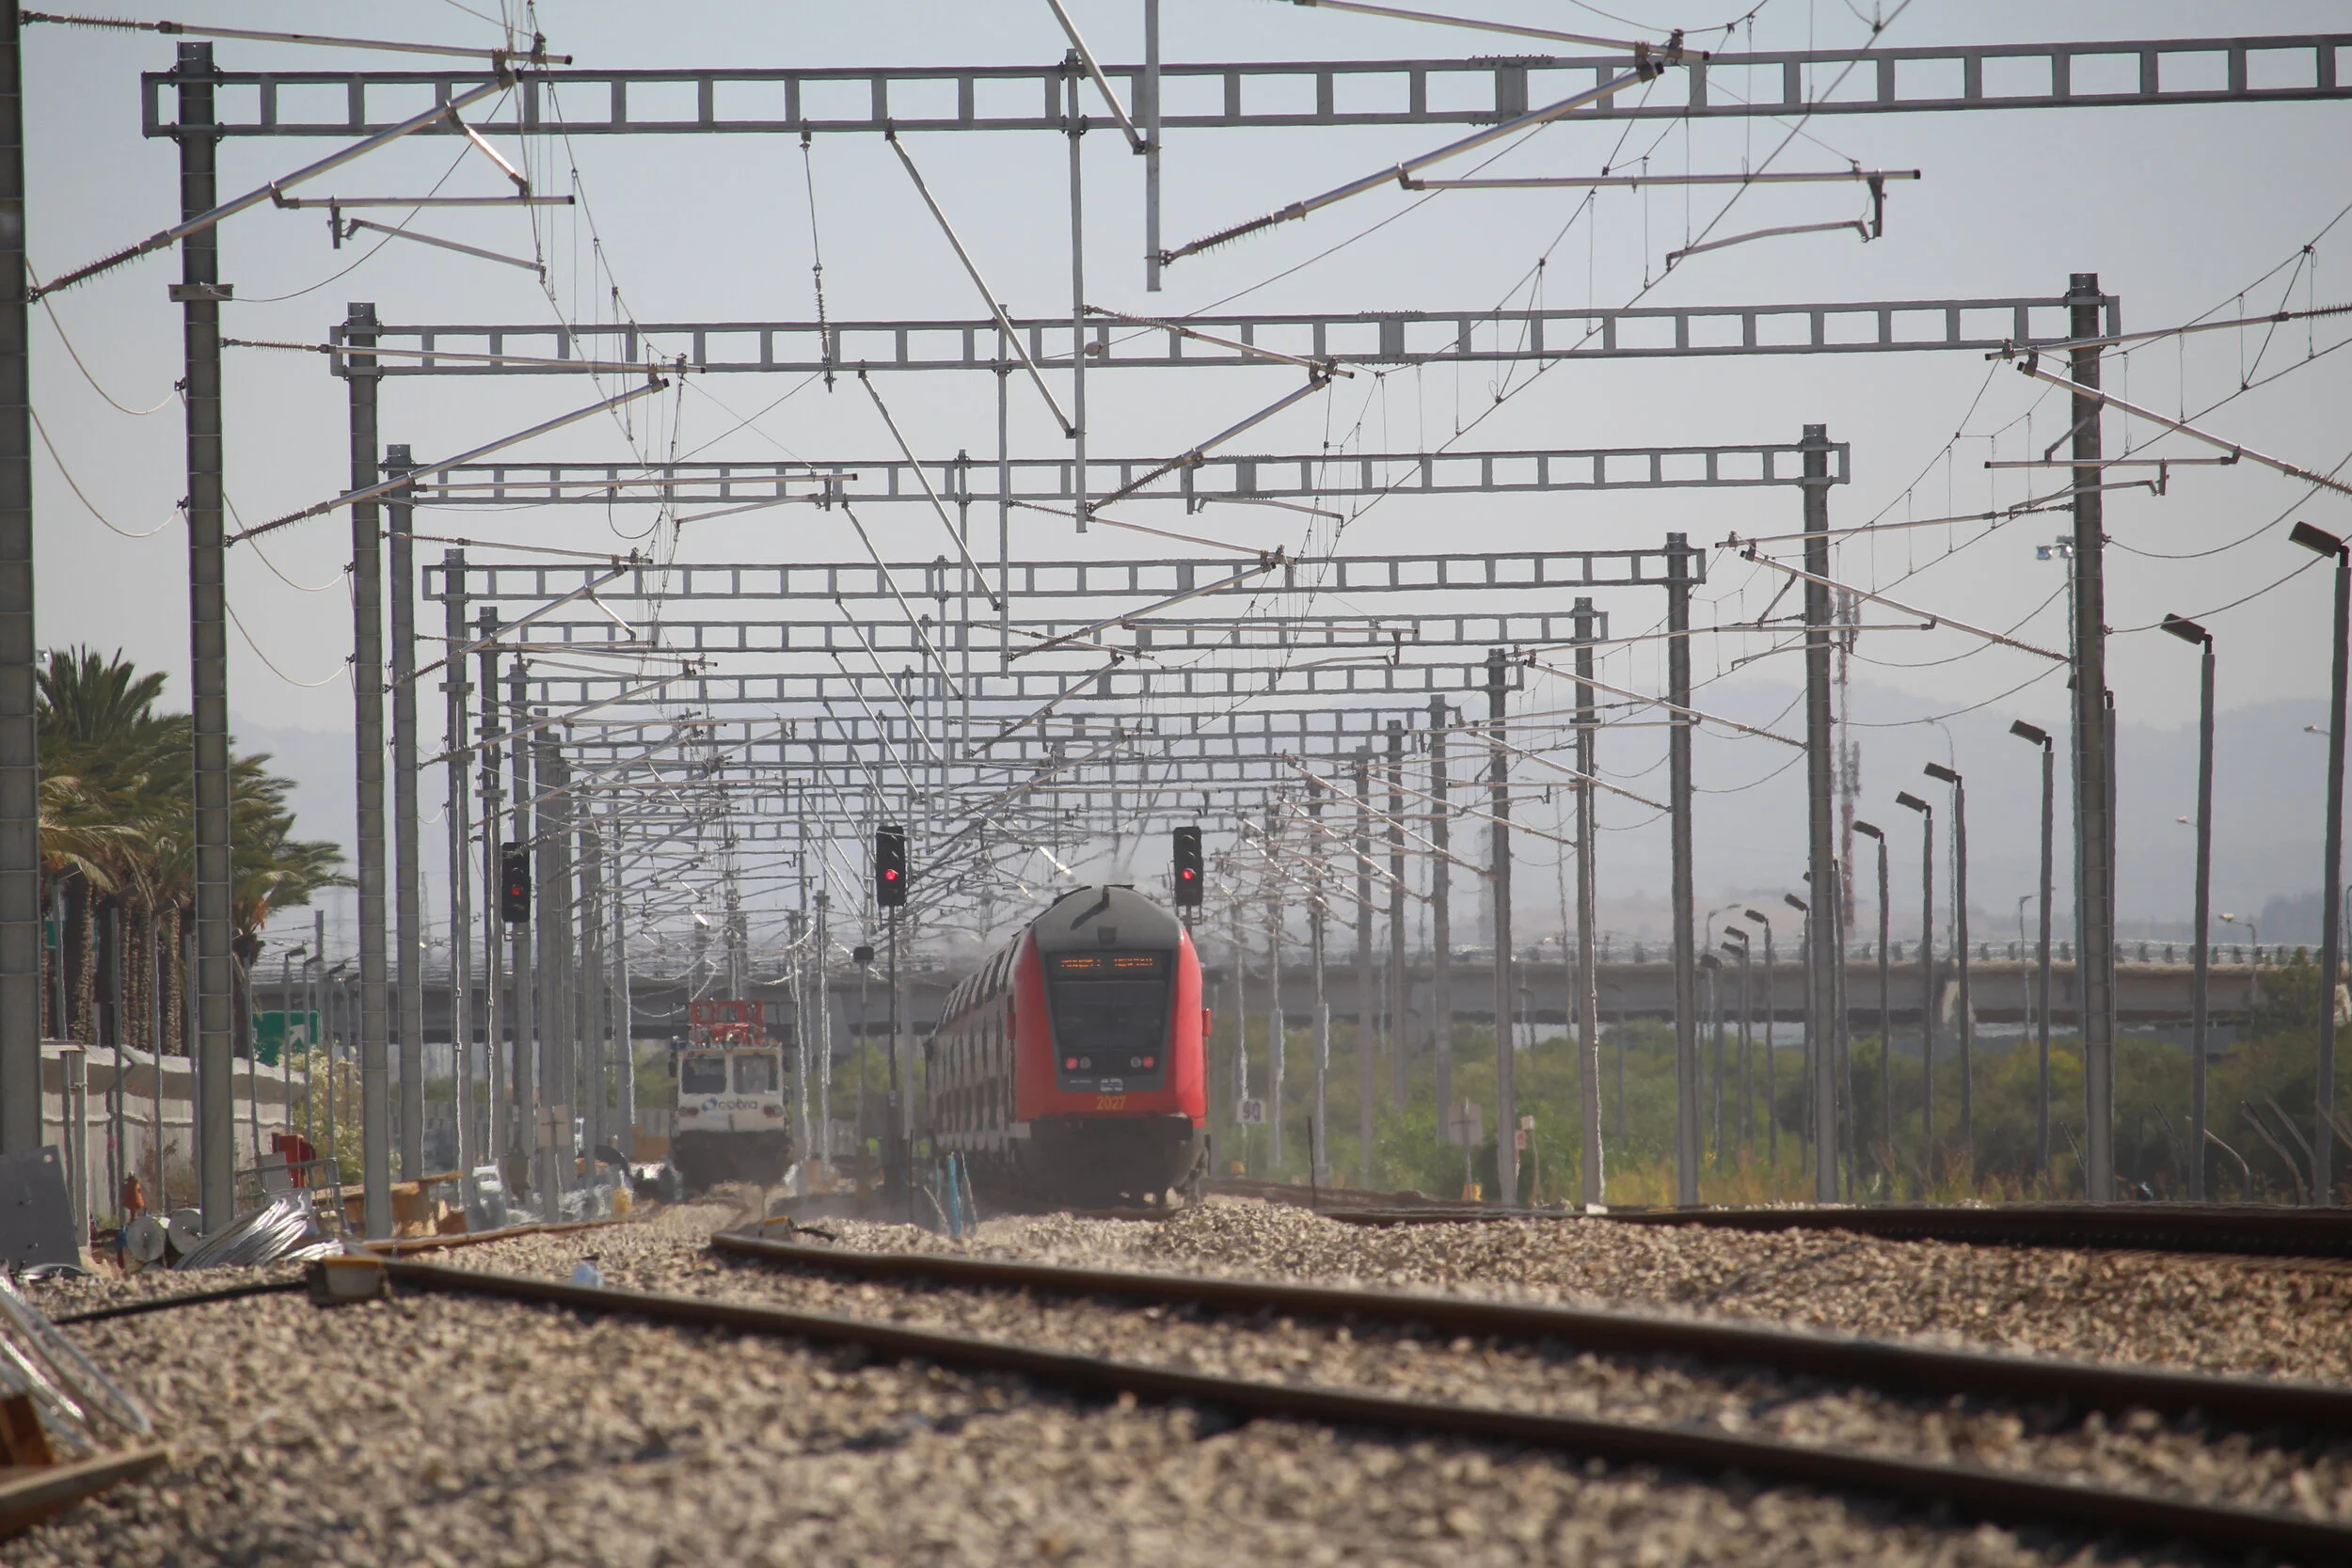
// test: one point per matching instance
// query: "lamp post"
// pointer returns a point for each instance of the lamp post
(1818, 1116)
(1735, 944)
(2190, 632)
(1960, 945)
(1927, 985)
(2033, 735)
(1703, 927)
(2254, 963)
(1771, 995)
(285, 1029)
(2331, 938)
(1711, 969)
(1886, 1011)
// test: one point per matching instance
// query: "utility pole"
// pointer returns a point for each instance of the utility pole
(1498, 835)
(1678, 558)
(407, 865)
(522, 1064)
(1441, 916)
(1364, 1070)
(1927, 985)
(459, 818)
(1277, 1033)
(1595, 1188)
(211, 971)
(367, 690)
(1400, 978)
(2094, 759)
(497, 1077)
(1960, 952)
(2036, 735)
(20, 746)
(1823, 937)
(591, 994)
(1319, 1154)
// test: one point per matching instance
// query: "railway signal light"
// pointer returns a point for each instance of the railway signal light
(513, 883)
(890, 867)
(1188, 868)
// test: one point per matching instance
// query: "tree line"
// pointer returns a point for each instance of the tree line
(118, 855)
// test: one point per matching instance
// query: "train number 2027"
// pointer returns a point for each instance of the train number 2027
(1110, 1101)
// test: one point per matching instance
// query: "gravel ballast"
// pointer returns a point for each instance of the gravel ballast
(446, 1430)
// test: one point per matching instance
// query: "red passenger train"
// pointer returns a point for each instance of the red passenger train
(1071, 1067)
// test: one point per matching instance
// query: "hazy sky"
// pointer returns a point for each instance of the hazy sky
(2178, 210)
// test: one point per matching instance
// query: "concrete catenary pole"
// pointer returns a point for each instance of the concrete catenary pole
(821, 1049)
(522, 1062)
(1679, 560)
(1276, 1031)
(20, 749)
(1960, 955)
(367, 702)
(1498, 834)
(1399, 997)
(458, 815)
(498, 1077)
(212, 970)
(594, 1076)
(2094, 760)
(1927, 985)
(1820, 759)
(1440, 915)
(1595, 1188)
(408, 854)
(1364, 1068)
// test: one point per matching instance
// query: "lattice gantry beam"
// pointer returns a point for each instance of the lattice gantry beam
(1275, 94)
(1047, 481)
(1355, 338)
(1503, 570)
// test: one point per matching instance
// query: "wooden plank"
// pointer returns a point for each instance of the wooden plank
(30, 1494)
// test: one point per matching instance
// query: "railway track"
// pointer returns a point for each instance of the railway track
(1881, 1364)
(2001, 1496)
(2256, 1230)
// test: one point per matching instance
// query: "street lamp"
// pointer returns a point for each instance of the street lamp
(2254, 966)
(1886, 1011)
(2331, 938)
(1735, 944)
(2190, 632)
(1927, 983)
(2034, 736)
(1959, 944)
(1712, 968)
(1771, 999)
(1812, 1125)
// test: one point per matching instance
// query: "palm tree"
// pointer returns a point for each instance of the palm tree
(117, 827)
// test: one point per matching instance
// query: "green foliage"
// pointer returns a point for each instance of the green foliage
(119, 804)
(2276, 1062)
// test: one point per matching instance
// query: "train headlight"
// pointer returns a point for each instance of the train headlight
(1150, 1062)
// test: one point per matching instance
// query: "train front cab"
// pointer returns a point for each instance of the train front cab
(1111, 1089)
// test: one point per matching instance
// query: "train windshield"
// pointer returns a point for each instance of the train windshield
(755, 1074)
(704, 1074)
(1108, 1002)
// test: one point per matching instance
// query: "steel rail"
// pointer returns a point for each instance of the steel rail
(1872, 1363)
(2251, 1230)
(1967, 1489)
